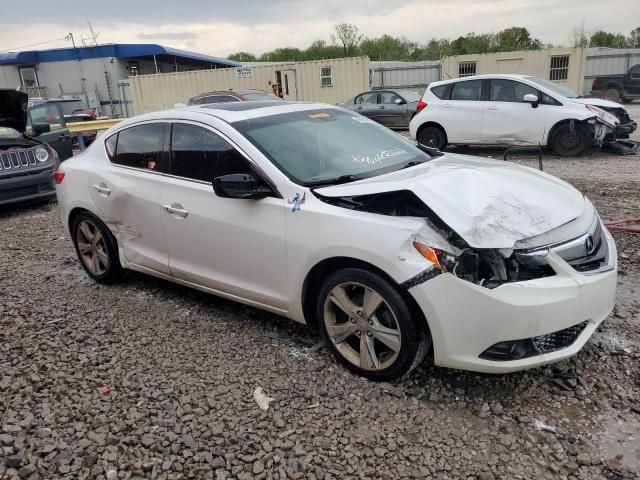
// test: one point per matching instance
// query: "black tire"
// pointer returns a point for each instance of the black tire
(109, 262)
(612, 94)
(432, 136)
(393, 314)
(568, 142)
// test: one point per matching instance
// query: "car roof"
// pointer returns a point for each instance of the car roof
(230, 112)
(228, 92)
(512, 76)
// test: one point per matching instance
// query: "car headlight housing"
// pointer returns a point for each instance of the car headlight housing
(42, 154)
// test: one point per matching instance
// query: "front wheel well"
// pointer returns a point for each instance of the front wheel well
(555, 128)
(326, 267)
(72, 216)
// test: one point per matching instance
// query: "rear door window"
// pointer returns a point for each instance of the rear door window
(142, 147)
(469, 90)
(200, 154)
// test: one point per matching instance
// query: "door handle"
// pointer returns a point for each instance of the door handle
(493, 107)
(102, 188)
(381, 107)
(447, 105)
(176, 209)
(358, 108)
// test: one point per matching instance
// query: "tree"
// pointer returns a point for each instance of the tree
(634, 38)
(607, 39)
(286, 54)
(242, 57)
(387, 47)
(320, 50)
(349, 35)
(579, 37)
(516, 38)
(472, 43)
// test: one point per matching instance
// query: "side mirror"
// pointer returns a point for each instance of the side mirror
(240, 185)
(532, 99)
(40, 128)
(399, 101)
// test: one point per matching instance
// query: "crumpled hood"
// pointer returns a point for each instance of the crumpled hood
(598, 102)
(489, 203)
(13, 110)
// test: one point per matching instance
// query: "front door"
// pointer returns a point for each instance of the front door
(392, 110)
(508, 119)
(127, 191)
(234, 246)
(50, 116)
(289, 89)
(632, 85)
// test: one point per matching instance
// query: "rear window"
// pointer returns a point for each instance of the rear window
(442, 91)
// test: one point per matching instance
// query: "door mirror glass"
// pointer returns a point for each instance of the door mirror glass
(40, 128)
(240, 185)
(531, 98)
(399, 101)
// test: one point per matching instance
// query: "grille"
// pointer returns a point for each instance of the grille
(17, 159)
(19, 192)
(558, 340)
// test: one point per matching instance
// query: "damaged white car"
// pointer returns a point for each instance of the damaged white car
(390, 251)
(514, 110)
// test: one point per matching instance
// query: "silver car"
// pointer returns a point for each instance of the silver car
(392, 108)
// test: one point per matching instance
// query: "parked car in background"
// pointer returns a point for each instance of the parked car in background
(73, 109)
(618, 88)
(27, 164)
(392, 108)
(391, 251)
(514, 110)
(233, 96)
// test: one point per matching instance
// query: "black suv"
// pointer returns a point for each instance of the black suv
(28, 160)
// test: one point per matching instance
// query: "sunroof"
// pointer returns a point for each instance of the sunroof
(242, 106)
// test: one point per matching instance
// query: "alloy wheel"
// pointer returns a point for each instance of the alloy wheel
(362, 326)
(92, 248)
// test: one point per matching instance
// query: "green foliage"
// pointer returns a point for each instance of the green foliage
(607, 39)
(347, 41)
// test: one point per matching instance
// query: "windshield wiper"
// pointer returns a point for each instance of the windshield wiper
(412, 163)
(333, 181)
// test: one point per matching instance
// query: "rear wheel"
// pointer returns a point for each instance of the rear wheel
(369, 326)
(567, 141)
(96, 248)
(612, 94)
(432, 136)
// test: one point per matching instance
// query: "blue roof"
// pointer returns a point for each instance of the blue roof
(118, 50)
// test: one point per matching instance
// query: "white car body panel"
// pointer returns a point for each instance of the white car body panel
(260, 252)
(510, 123)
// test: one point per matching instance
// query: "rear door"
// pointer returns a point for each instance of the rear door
(508, 119)
(366, 104)
(461, 115)
(127, 192)
(391, 113)
(58, 137)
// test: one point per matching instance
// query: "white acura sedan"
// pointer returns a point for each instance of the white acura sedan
(392, 252)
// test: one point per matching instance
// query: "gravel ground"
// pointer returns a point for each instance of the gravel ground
(146, 379)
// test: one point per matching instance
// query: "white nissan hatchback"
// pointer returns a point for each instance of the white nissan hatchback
(390, 251)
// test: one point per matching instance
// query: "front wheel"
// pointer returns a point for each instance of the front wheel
(567, 141)
(432, 136)
(369, 326)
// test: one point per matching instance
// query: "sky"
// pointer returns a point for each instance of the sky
(222, 27)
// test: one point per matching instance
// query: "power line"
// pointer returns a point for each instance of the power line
(32, 45)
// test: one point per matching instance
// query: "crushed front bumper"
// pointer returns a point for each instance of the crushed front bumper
(626, 129)
(466, 319)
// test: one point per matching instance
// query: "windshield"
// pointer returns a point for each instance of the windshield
(327, 146)
(410, 95)
(259, 97)
(7, 133)
(554, 87)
